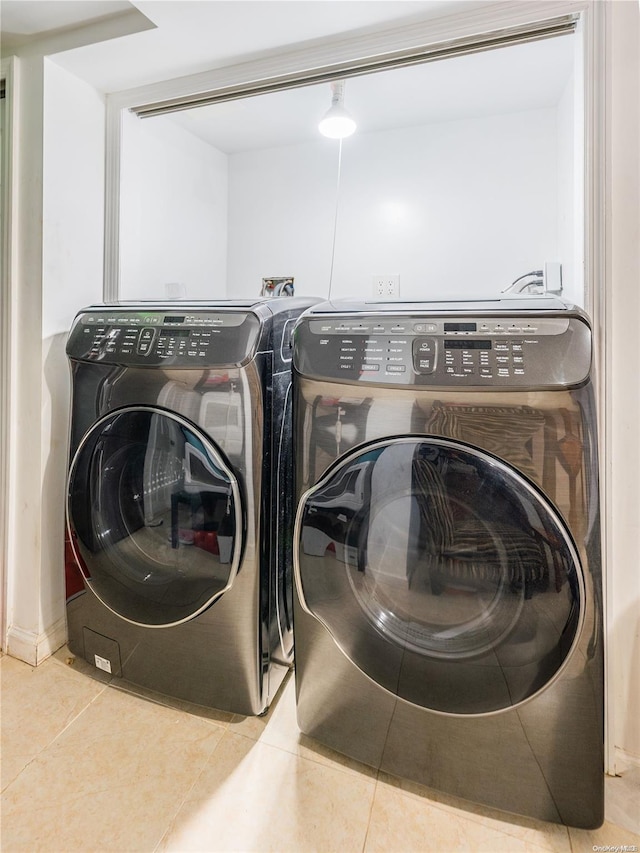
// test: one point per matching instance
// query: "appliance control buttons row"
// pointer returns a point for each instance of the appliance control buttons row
(424, 355)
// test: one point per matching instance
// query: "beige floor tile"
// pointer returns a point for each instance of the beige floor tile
(280, 728)
(622, 799)
(255, 797)
(401, 823)
(608, 837)
(38, 703)
(133, 757)
(548, 836)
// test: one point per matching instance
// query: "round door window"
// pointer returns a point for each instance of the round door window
(441, 572)
(154, 515)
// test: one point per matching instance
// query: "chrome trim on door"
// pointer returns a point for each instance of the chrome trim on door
(534, 491)
(235, 489)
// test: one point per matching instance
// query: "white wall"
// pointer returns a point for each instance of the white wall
(60, 206)
(455, 208)
(173, 218)
(72, 253)
(569, 180)
(73, 210)
(282, 204)
(624, 304)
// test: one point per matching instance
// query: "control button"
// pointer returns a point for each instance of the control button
(370, 368)
(346, 366)
(517, 347)
(425, 347)
(518, 359)
(378, 328)
(514, 329)
(424, 365)
(432, 327)
(396, 368)
(486, 371)
(398, 328)
(419, 327)
(503, 371)
(519, 371)
(468, 370)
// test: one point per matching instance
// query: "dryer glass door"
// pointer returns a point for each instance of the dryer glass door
(155, 516)
(441, 572)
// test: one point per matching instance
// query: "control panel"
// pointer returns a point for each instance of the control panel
(153, 339)
(460, 351)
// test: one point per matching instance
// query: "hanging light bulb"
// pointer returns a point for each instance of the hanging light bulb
(337, 123)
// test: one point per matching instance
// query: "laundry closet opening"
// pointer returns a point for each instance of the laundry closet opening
(463, 175)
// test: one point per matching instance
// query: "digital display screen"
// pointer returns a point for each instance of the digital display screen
(467, 344)
(176, 333)
(173, 320)
(460, 327)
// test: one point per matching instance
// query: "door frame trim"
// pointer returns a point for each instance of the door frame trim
(9, 71)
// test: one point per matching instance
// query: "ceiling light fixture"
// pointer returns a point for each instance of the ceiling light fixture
(337, 123)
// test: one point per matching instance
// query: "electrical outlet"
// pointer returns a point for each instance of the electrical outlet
(386, 286)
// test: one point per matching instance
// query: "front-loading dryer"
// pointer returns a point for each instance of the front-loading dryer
(179, 512)
(448, 603)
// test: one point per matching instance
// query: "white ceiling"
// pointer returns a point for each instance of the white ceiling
(35, 17)
(190, 36)
(525, 77)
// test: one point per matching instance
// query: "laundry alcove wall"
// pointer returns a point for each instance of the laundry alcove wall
(463, 174)
(586, 183)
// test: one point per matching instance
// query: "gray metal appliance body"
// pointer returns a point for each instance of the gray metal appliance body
(447, 565)
(179, 511)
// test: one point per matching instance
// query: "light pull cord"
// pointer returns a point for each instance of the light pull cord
(335, 218)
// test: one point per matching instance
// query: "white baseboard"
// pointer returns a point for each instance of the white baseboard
(34, 648)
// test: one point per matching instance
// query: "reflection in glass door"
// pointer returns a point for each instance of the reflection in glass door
(155, 516)
(441, 572)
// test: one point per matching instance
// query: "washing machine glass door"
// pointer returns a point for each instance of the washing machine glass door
(441, 572)
(155, 516)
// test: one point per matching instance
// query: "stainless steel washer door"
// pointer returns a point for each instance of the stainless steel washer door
(441, 572)
(154, 515)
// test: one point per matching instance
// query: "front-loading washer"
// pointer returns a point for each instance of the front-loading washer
(179, 514)
(447, 567)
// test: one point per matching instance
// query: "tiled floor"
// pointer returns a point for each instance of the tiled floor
(88, 768)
